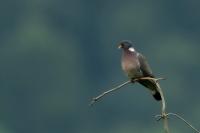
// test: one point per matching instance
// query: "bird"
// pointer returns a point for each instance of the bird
(135, 66)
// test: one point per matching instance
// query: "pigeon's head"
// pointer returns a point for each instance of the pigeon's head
(126, 45)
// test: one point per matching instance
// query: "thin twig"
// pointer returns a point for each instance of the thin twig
(181, 118)
(95, 99)
(146, 78)
(165, 115)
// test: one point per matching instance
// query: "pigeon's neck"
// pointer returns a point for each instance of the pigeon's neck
(128, 53)
(129, 56)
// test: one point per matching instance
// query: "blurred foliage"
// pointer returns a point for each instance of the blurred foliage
(56, 55)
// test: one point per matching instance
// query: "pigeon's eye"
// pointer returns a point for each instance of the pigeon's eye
(121, 45)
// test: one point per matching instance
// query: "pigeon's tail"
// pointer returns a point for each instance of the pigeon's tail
(157, 95)
(153, 87)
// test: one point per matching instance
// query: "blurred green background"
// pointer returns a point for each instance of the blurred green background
(57, 54)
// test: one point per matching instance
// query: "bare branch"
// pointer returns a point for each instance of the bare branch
(163, 114)
(95, 99)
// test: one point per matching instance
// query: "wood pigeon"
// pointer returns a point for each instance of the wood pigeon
(135, 66)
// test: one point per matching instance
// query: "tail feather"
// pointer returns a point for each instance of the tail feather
(153, 87)
(157, 96)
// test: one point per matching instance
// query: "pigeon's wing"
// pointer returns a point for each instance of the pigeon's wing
(147, 72)
(144, 66)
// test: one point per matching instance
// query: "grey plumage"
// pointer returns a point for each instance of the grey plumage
(135, 65)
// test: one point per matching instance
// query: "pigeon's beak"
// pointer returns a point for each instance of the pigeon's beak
(119, 46)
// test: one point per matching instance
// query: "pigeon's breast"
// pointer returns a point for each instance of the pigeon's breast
(131, 66)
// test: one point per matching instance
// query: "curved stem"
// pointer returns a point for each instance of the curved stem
(163, 106)
(163, 109)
